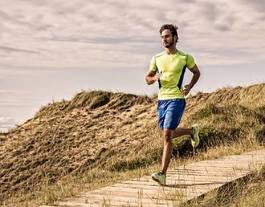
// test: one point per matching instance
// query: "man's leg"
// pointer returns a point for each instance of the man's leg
(180, 132)
(167, 150)
(193, 132)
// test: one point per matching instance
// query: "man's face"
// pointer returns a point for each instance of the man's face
(167, 39)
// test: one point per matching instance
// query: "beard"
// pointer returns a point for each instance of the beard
(168, 45)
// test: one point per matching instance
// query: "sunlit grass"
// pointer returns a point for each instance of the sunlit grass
(97, 139)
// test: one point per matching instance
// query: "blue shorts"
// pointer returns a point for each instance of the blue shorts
(170, 113)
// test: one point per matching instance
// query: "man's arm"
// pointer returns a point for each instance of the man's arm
(196, 75)
(151, 77)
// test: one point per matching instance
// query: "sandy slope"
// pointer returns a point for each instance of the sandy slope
(116, 131)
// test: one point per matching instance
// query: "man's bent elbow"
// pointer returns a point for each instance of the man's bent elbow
(147, 80)
(198, 73)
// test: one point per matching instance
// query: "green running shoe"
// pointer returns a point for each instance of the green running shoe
(159, 177)
(195, 139)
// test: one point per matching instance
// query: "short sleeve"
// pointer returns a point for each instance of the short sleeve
(190, 61)
(153, 66)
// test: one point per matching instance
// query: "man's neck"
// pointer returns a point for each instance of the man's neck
(171, 50)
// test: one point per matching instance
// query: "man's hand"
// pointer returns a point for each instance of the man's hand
(196, 75)
(186, 90)
(157, 76)
(152, 77)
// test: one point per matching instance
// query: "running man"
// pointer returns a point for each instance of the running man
(168, 68)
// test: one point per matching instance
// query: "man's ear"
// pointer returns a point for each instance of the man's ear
(175, 38)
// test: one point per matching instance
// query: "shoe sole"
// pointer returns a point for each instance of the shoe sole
(196, 144)
(156, 180)
(194, 140)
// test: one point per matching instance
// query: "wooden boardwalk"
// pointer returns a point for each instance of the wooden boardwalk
(183, 183)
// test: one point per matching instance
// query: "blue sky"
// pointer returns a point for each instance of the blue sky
(51, 50)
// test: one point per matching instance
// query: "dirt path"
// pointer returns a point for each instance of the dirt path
(183, 183)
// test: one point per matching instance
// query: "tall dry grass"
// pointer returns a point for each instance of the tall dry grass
(98, 138)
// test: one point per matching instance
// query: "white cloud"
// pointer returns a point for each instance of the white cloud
(117, 33)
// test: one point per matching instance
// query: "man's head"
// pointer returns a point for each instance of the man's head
(169, 35)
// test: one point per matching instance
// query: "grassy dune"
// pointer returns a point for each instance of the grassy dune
(246, 192)
(97, 138)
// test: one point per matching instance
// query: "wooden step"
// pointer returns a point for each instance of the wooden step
(183, 183)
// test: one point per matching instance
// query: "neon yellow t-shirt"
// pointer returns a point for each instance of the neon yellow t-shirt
(172, 68)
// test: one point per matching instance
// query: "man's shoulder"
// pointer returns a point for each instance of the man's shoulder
(182, 53)
(189, 58)
(159, 54)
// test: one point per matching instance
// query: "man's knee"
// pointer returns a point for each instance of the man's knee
(167, 135)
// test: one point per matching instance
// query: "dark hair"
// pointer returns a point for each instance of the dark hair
(173, 29)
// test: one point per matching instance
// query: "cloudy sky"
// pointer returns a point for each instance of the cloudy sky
(52, 49)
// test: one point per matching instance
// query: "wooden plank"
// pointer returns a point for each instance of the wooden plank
(117, 200)
(183, 183)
